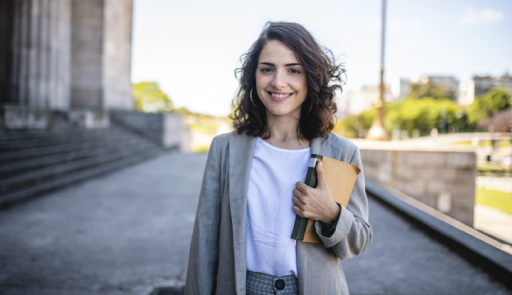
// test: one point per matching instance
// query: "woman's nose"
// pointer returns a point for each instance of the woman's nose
(279, 80)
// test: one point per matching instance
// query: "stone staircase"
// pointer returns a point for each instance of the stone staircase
(35, 162)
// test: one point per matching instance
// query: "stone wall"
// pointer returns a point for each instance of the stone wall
(444, 180)
(165, 129)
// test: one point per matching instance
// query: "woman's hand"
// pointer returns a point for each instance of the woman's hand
(315, 203)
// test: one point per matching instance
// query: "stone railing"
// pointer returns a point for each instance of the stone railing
(442, 179)
(165, 129)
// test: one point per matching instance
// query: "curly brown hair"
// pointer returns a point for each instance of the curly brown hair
(323, 77)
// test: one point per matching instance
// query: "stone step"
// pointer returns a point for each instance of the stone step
(49, 134)
(56, 140)
(34, 152)
(40, 175)
(23, 165)
(28, 193)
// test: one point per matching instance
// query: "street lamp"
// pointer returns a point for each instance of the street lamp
(378, 132)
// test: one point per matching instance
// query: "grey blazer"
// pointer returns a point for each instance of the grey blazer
(217, 262)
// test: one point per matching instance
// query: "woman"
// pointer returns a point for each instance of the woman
(252, 185)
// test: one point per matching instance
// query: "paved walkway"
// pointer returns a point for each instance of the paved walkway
(503, 184)
(129, 232)
(494, 221)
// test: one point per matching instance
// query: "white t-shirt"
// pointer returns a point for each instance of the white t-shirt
(270, 217)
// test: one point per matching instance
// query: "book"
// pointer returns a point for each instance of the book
(340, 178)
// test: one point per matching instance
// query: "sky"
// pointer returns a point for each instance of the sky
(191, 48)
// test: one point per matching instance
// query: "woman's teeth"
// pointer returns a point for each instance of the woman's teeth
(280, 95)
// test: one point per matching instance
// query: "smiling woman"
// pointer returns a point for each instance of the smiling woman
(300, 62)
(252, 187)
(280, 81)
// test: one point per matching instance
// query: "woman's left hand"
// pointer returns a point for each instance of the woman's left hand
(315, 203)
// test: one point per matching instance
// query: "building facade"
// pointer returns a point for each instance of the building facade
(478, 85)
(66, 55)
(355, 102)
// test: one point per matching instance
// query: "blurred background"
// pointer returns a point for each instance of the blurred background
(108, 108)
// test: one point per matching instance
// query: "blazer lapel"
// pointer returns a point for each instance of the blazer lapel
(323, 146)
(241, 148)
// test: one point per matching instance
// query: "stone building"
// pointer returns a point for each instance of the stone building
(66, 106)
(400, 87)
(478, 85)
(355, 102)
(70, 56)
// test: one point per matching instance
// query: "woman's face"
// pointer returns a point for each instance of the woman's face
(280, 80)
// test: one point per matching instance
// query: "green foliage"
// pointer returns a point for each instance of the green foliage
(422, 115)
(411, 114)
(488, 104)
(353, 126)
(187, 112)
(431, 90)
(150, 98)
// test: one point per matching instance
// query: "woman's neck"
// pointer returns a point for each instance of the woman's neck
(283, 133)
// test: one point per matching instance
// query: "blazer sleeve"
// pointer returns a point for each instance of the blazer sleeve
(203, 256)
(353, 233)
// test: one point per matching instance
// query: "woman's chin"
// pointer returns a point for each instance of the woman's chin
(283, 112)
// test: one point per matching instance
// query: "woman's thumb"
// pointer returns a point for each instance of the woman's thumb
(322, 183)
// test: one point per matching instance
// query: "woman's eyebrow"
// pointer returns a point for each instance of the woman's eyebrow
(273, 65)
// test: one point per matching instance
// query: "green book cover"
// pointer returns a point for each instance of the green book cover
(300, 223)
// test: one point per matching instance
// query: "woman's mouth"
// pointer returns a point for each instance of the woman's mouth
(279, 96)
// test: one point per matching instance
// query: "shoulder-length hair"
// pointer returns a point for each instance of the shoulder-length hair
(323, 77)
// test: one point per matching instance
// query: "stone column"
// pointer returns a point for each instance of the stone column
(38, 54)
(101, 55)
(86, 56)
(6, 8)
(117, 55)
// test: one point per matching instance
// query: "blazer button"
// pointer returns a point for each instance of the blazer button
(279, 284)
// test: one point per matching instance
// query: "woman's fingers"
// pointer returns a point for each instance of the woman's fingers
(297, 211)
(302, 187)
(297, 201)
(297, 193)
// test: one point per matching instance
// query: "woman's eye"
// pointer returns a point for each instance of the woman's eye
(294, 71)
(266, 70)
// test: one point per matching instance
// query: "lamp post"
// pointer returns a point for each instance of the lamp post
(378, 132)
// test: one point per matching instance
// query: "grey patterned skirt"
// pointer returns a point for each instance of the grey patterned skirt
(263, 284)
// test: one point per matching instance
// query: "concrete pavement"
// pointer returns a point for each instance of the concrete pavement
(119, 234)
(129, 232)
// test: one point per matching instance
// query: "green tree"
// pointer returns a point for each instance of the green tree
(150, 98)
(488, 104)
(422, 115)
(430, 89)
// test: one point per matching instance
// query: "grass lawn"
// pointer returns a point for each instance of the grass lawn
(502, 143)
(497, 199)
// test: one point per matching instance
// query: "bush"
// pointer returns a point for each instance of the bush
(488, 104)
